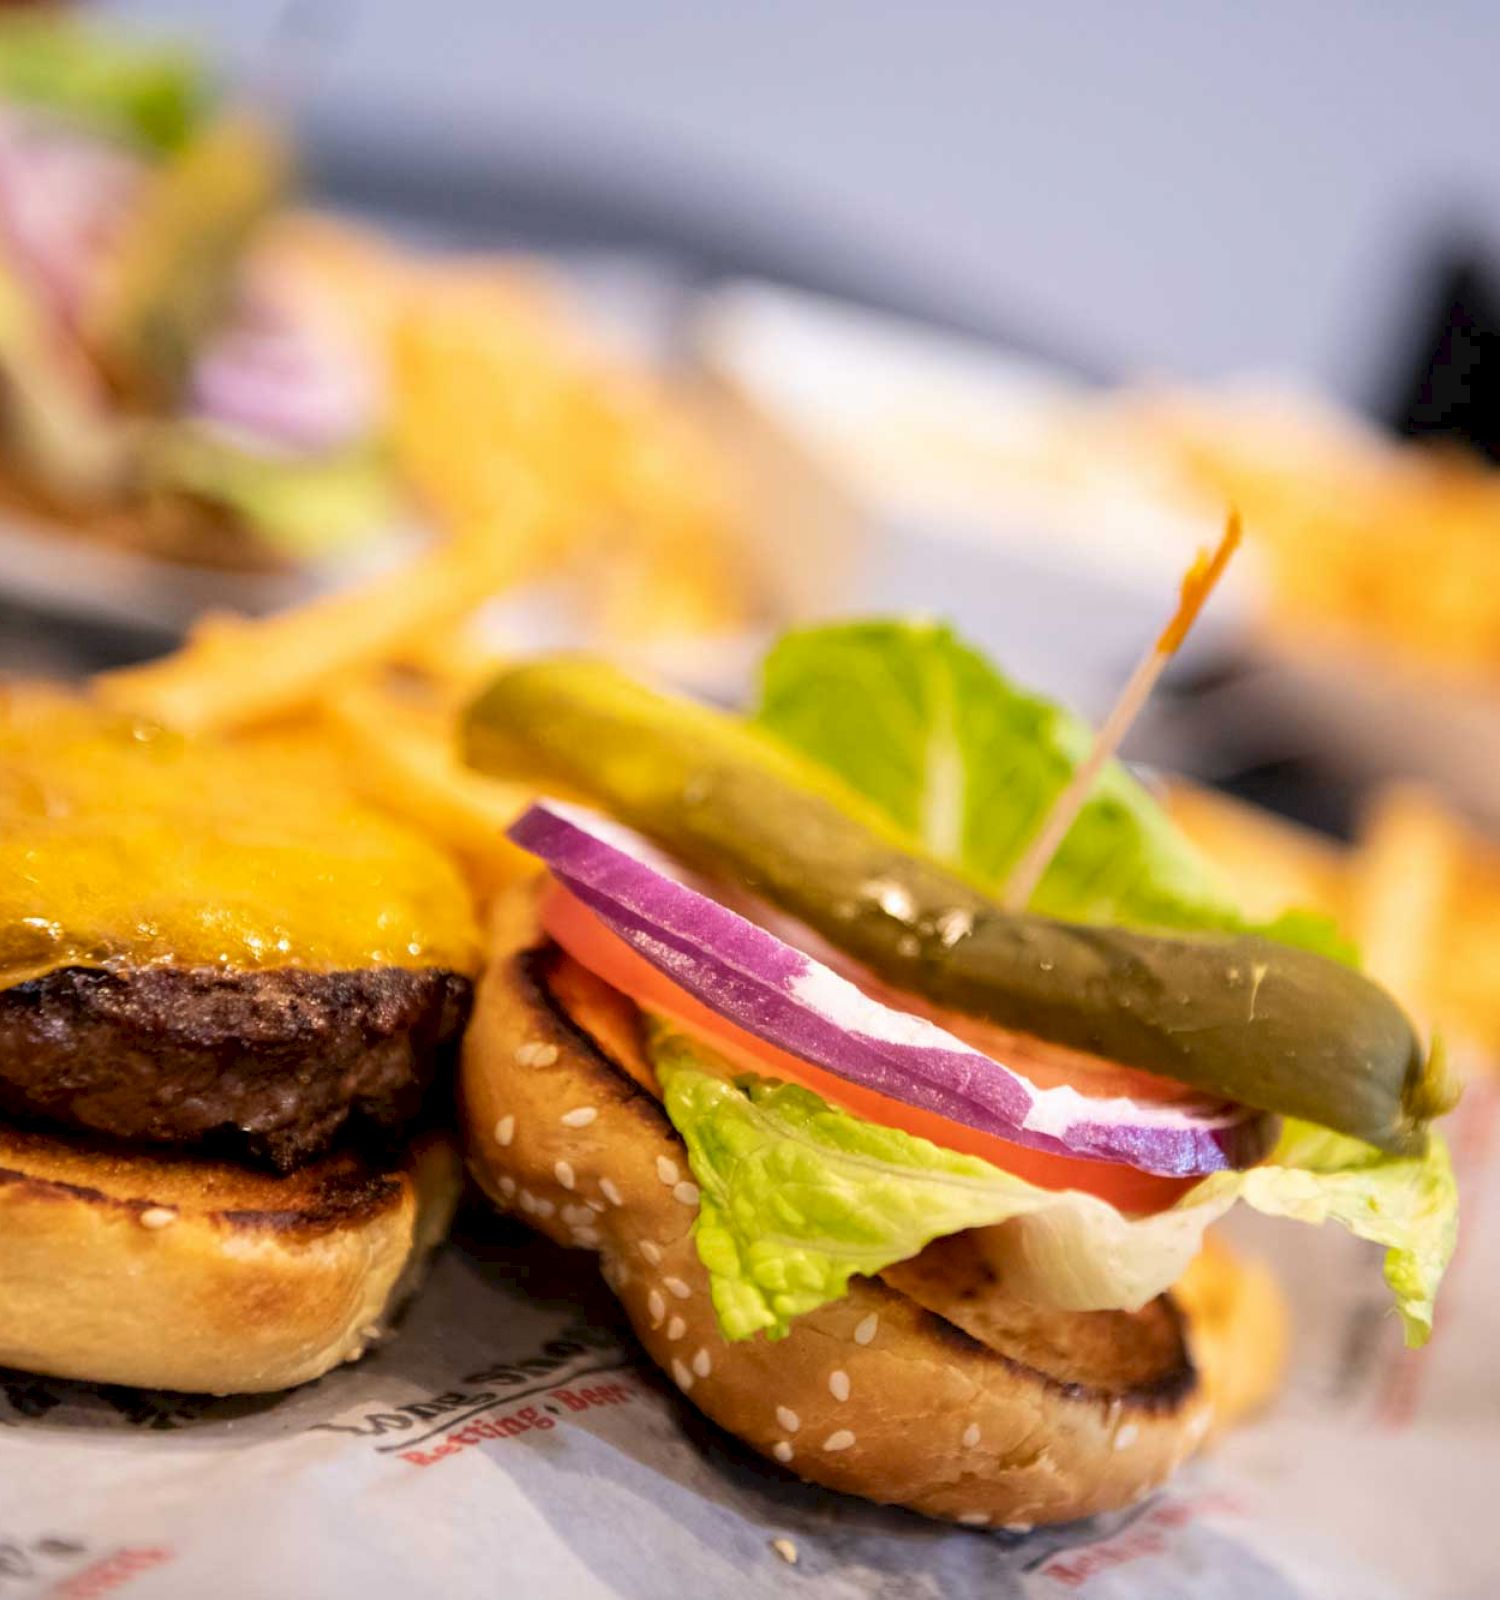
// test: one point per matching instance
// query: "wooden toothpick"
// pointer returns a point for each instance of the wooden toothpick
(1197, 585)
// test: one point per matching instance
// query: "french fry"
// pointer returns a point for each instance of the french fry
(1269, 863)
(1435, 886)
(1418, 892)
(456, 662)
(1403, 876)
(1239, 1306)
(1465, 973)
(235, 672)
(405, 761)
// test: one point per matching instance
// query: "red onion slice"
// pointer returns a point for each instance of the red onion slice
(789, 999)
(283, 375)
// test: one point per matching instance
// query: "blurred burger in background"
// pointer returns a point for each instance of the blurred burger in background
(177, 374)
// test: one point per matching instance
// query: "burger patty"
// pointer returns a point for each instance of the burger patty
(269, 1065)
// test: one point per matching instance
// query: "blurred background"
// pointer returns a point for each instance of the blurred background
(698, 321)
(1209, 190)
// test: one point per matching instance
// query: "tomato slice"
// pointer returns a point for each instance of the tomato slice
(594, 945)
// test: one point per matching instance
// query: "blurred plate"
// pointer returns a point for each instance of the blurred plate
(48, 570)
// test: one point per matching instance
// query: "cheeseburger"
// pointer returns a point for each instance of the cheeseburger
(182, 368)
(224, 994)
(905, 1189)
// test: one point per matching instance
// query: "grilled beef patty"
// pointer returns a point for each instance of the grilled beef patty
(270, 1065)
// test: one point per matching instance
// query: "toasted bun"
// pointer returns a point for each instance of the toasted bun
(929, 1388)
(178, 1273)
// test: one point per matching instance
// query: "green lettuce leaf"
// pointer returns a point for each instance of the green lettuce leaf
(967, 764)
(1409, 1204)
(303, 506)
(797, 1197)
(152, 95)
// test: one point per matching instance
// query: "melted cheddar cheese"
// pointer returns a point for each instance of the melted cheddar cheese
(121, 843)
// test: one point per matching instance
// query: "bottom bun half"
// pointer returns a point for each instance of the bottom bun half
(208, 1277)
(928, 1387)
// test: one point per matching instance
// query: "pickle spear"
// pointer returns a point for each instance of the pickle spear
(176, 266)
(56, 435)
(1263, 1024)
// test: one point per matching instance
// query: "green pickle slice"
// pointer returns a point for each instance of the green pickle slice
(1260, 1023)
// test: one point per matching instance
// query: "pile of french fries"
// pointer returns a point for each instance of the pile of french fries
(1372, 546)
(513, 428)
(515, 425)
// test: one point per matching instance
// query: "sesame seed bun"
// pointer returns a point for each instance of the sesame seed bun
(179, 1273)
(928, 1387)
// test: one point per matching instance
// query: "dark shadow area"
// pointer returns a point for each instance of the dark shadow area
(39, 642)
(26, 1400)
(1448, 391)
(502, 1251)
